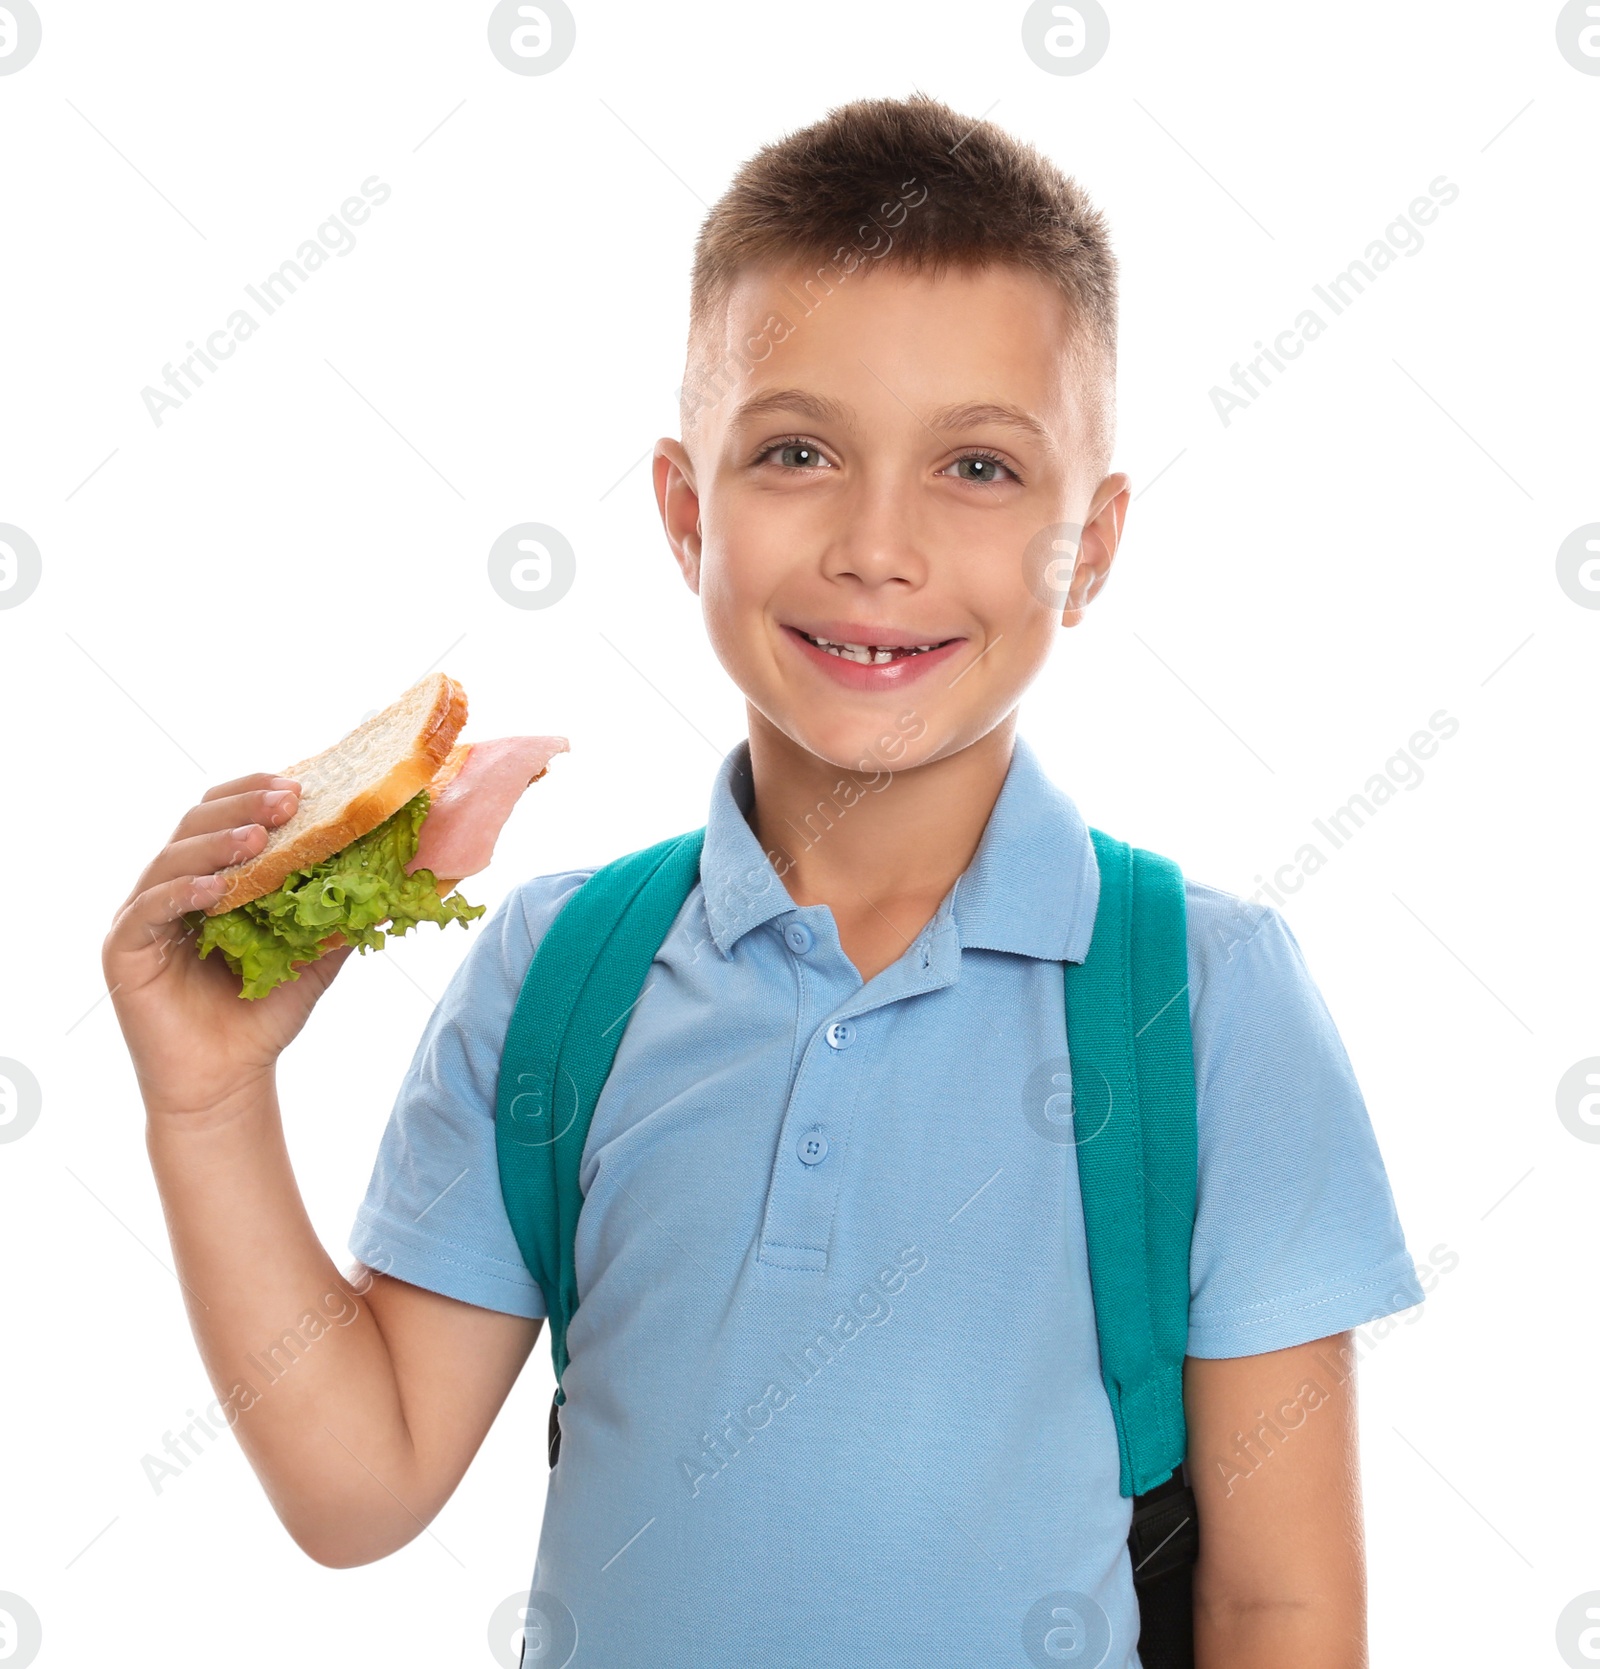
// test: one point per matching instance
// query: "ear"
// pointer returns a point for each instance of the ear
(1102, 530)
(679, 504)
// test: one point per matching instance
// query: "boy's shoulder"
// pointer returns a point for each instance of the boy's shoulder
(533, 903)
(1221, 923)
(1242, 955)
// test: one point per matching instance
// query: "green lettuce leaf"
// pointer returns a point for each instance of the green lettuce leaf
(361, 893)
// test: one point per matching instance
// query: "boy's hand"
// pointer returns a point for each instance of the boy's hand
(196, 1044)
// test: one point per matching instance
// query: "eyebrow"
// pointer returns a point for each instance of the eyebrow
(815, 406)
(975, 413)
(968, 414)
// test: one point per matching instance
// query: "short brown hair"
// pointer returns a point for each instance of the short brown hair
(990, 199)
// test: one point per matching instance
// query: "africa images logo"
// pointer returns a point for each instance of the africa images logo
(335, 236)
(1577, 561)
(532, 39)
(20, 34)
(20, 566)
(20, 1104)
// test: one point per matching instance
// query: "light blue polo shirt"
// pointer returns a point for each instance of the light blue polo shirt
(834, 1396)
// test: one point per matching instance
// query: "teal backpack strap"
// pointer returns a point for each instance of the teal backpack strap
(1134, 1117)
(588, 972)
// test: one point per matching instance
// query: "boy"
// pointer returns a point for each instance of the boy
(833, 1394)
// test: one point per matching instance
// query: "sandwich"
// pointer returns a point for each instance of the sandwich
(391, 819)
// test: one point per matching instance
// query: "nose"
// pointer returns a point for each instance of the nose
(877, 540)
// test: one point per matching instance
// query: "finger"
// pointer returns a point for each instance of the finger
(267, 806)
(335, 953)
(240, 785)
(235, 815)
(203, 854)
(331, 961)
(154, 917)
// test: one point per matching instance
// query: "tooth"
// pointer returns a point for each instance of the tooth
(866, 654)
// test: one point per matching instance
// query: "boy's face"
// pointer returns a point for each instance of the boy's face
(837, 490)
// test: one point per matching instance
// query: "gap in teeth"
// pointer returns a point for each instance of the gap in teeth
(865, 654)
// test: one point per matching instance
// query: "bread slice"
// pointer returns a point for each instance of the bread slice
(347, 790)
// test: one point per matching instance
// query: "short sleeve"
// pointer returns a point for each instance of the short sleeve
(433, 1214)
(1296, 1234)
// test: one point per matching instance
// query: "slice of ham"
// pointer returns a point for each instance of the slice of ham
(471, 796)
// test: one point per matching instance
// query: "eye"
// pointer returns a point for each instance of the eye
(797, 454)
(988, 463)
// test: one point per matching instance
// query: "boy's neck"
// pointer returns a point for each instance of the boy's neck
(872, 837)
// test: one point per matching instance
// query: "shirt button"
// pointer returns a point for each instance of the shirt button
(812, 1148)
(797, 936)
(841, 1034)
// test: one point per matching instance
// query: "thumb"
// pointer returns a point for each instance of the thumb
(322, 972)
(332, 961)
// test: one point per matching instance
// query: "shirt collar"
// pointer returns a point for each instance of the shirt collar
(1031, 888)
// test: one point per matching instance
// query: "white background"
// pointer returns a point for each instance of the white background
(1372, 541)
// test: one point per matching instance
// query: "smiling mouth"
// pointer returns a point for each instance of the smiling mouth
(868, 654)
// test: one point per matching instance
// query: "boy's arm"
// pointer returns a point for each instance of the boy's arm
(1273, 1464)
(358, 1413)
(359, 1410)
